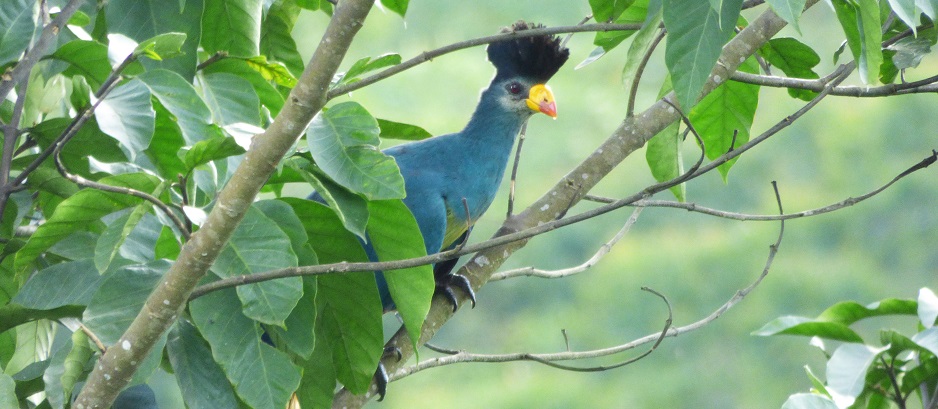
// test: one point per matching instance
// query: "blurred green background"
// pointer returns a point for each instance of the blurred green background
(885, 247)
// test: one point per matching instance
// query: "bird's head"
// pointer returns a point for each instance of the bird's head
(523, 66)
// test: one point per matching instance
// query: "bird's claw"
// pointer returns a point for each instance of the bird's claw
(446, 284)
(392, 351)
(381, 381)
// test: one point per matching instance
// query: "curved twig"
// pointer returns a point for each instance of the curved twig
(429, 55)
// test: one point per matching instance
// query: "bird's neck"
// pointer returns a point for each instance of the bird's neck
(492, 129)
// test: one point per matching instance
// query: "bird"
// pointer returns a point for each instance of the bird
(451, 180)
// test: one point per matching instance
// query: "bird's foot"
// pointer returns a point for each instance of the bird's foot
(381, 374)
(445, 285)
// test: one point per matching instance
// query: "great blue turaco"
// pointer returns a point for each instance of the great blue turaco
(451, 179)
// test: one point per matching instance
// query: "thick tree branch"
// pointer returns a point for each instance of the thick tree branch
(631, 135)
(22, 69)
(117, 366)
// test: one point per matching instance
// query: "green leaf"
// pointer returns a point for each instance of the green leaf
(231, 99)
(920, 375)
(81, 92)
(33, 341)
(928, 339)
(68, 283)
(233, 26)
(401, 131)
(318, 383)
(846, 371)
(297, 335)
(268, 95)
(608, 10)
(351, 208)
(352, 320)
(860, 22)
(808, 401)
(397, 6)
(80, 210)
(905, 10)
(272, 70)
(834, 322)
(75, 362)
(344, 142)
(210, 150)
(263, 377)
(910, 51)
(201, 381)
(788, 10)
(120, 298)
(85, 58)
(179, 98)
(927, 307)
(395, 235)
(258, 245)
(637, 12)
(791, 325)
(111, 242)
(723, 118)
(142, 20)
(18, 21)
(795, 59)
(127, 115)
(366, 65)
(848, 312)
(8, 392)
(162, 46)
(695, 40)
(816, 382)
(638, 48)
(663, 152)
(330, 239)
(276, 40)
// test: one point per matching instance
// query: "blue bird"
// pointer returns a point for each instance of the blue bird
(452, 179)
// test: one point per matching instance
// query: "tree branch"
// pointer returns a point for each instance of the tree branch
(926, 85)
(429, 55)
(117, 366)
(22, 69)
(627, 138)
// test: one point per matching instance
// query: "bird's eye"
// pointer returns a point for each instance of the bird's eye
(514, 88)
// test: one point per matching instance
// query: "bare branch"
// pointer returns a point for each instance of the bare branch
(429, 55)
(514, 170)
(926, 85)
(633, 90)
(603, 250)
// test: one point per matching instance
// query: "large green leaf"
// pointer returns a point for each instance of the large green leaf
(906, 11)
(161, 46)
(68, 283)
(695, 40)
(395, 235)
(233, 26)
(788, 10)
(269, 97)
(120, 298)
(67, 362)
(860, 21)
(608, 10)
(17, 22)
(846, 371)
(8, 392)
(263, 377)
(351, 208)
(397, 130)
(258, 245)
(397, 6)
(201, 380)
(85, 58)
(142, 20)
(318, 383)
(344, 143)
(723, 118)
(795, 59)
(210, 150)
(834, 322)
(80, 210)
(231, 99)
(179, 98)
(637, 12)
(366, 65)
(127, 115)
(131, 236)
(276, 40)
(350, 305)
(33, 341)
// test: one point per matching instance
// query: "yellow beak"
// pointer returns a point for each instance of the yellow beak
(540, 99)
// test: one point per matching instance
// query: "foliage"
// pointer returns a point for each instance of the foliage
(861, 374)
(122, 135)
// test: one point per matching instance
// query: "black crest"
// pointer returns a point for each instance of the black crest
(537, 58)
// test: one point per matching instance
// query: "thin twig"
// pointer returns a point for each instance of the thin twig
(94, 338)
(11, 135)
(633, 91)
(514, 169)
(570, 35)
(429, 55)
(22, 69)
(218, 56)
(603, 250)
(926, 85)
(550, 359)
